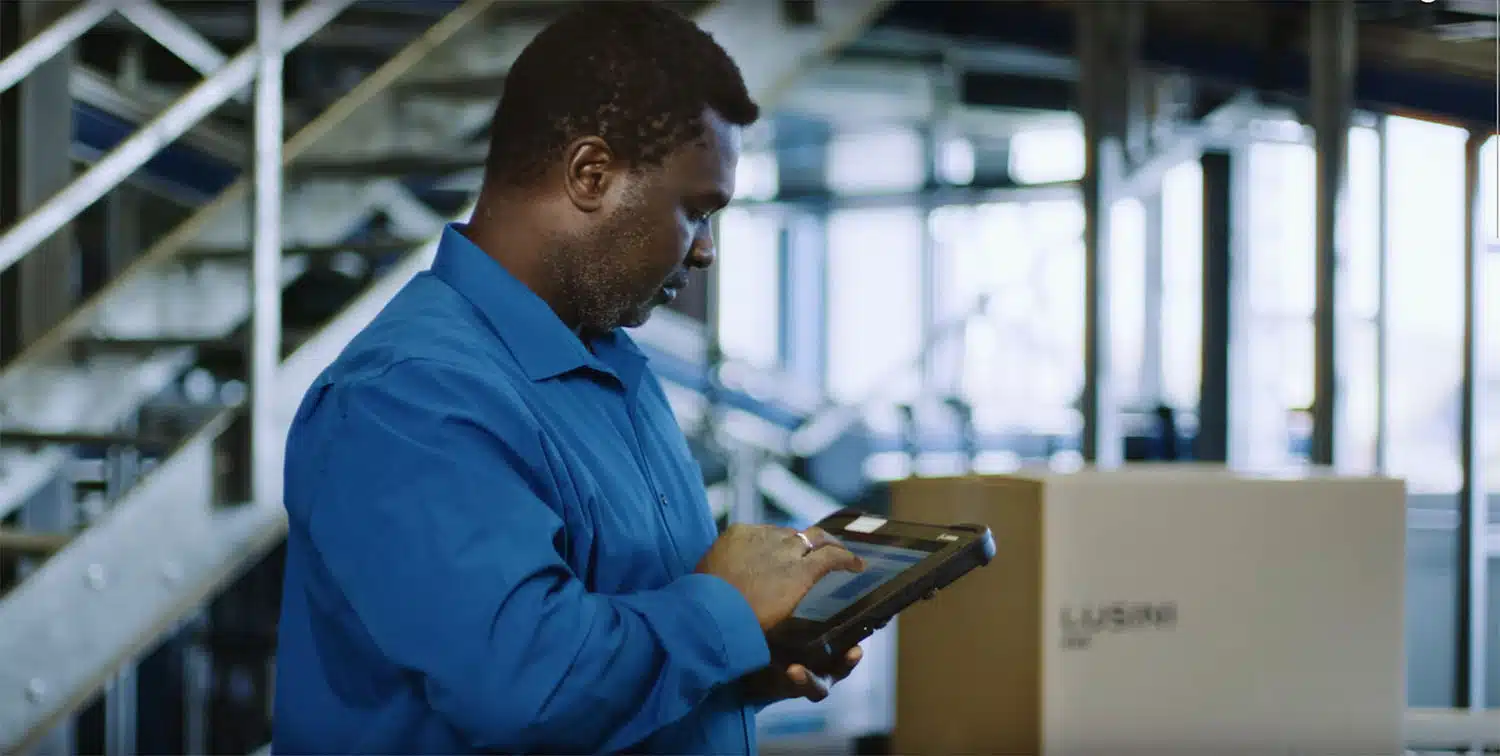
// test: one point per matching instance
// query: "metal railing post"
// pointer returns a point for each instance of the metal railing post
(265, 346)
(141, 146)
(1473, 505)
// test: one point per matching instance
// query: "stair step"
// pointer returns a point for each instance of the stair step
(372, 247)
(386, 166)
(34, 438)
(485, 87)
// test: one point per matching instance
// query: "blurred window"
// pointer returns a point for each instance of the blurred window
(749, 288)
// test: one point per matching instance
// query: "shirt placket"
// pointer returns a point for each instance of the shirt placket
(652, 483)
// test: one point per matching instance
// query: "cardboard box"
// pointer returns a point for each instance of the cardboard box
(1162, 609)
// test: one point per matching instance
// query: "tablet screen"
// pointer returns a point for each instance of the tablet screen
(838, 590)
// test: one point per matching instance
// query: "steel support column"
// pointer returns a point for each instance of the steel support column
(39, 290)
(746, 504)
(1212, 444)
(1474, 517)
(1152, 351)
(930, 310)
(1383, 304)
(804, 289)
(265, 346)
(34, 162)
(1334, 36)
(1108, 35)
(802, 169)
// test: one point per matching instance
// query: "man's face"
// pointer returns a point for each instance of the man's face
(653, 229)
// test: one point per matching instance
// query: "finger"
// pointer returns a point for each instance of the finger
(820, 537)
(816, 689)
(830, 558)
(850, 661)
(799, 675)
(792, 540)
(807, 684)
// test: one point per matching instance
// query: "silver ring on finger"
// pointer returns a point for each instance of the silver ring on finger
(805, 542)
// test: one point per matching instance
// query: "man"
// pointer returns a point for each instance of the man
(499, 540)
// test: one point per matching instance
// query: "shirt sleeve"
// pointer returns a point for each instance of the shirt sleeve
(433, 517)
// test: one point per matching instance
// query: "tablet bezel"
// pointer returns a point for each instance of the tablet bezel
(941, 542)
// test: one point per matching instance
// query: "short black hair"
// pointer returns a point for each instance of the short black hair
(637, 74)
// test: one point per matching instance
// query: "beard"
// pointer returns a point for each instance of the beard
(601, 273)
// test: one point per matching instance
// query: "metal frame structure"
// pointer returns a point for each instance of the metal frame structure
(265, 257)
(1331, 66)
(166, 548)
(236, 74)
(1474, 546)
(155, 297)
(168, 543)
(1333, 42)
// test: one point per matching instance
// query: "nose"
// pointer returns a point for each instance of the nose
(702, 253)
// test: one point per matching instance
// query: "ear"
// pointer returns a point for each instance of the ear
(588, 172)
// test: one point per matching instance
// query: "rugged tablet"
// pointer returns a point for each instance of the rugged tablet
(904, 562)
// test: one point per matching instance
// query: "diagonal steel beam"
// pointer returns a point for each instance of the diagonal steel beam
(179, 38)
(1216, 128)
(140, 147)
(53, 40)
(45, 387)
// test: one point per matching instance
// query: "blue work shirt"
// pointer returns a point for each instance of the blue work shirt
(493, 531)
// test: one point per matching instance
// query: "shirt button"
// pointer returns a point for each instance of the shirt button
(664, 499)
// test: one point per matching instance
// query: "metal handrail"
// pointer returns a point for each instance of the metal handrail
(47, 43)
(179, 238)
(134, 152)
(179, 38)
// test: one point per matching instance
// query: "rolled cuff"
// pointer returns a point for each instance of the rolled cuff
(744, 643)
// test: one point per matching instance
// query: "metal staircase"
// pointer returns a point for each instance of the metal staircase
(363, 188)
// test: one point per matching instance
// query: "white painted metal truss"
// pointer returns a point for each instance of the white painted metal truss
(46, 389)
(114, 168)
(165, 546)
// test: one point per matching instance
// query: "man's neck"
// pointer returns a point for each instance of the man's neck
(509, 234)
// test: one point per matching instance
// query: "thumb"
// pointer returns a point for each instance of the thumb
(831, 558)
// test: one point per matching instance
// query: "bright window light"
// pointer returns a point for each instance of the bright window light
(757, 177)
(750, 286)
(1046, 156)
(955, 161)
(874, 303)
(876, 162)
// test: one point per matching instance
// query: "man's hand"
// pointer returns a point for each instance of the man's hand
(780, 682)
(773, 567)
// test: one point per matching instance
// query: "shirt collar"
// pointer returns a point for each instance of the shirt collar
(543, 345)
